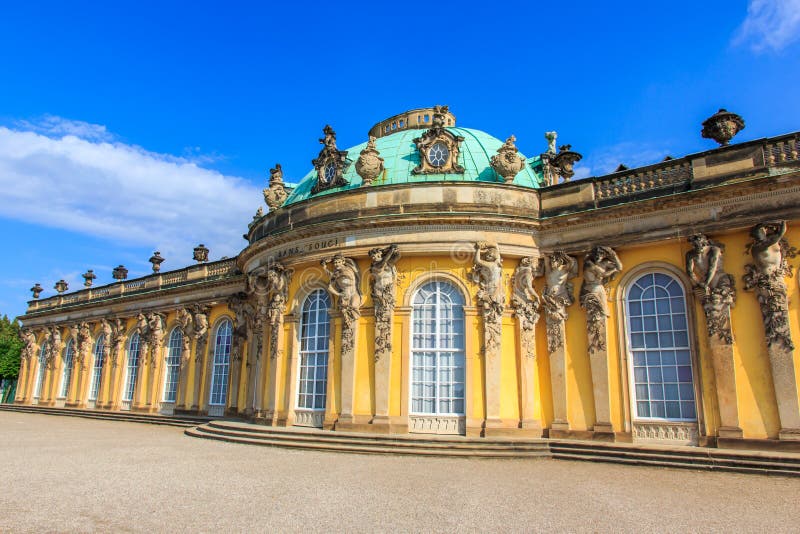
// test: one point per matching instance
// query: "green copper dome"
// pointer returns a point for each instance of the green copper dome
(400, 157)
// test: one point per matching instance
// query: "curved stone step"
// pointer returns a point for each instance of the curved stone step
(105, 415)
(364, 449)
(346, 440)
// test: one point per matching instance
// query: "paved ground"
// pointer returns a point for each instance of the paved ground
(64, 474)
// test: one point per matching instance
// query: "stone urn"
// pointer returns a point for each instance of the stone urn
(61, 286)
(200, 253)
(507, 162)
(156, 259)
(88, 278)
(37, 290)
(119, 272)
(565, 162)
(722, 126)
(369, 164)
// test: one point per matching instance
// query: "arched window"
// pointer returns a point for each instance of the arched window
(437, 350)
(658, 337)
(132, 366)
(69, 357)
(40, 373)
(97, 368)
(173, 366)
(314, 333)
(222, 358)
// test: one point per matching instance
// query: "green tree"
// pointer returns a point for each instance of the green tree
(10, 348)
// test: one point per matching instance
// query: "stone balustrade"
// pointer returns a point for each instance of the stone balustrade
(193, 273)
(629, 183)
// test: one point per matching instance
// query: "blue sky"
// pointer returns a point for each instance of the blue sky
(131, 127)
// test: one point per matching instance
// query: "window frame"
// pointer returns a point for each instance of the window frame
(127, 382)
(41, 368)
(630, 280)
(97, 370)
(174, 343)
(67, 371)
(457, 290)
(316, 294)
(226, 321)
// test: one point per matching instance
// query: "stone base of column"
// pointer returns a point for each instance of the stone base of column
(473, 428)
(361, 423)
(603, 432)
(503, 428)
(729, 432)
(533, 425)
(603, 427)
(789, 434)
(345, 419)
(381, 424)
(559, 429)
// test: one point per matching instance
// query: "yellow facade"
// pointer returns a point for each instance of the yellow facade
(435, 228)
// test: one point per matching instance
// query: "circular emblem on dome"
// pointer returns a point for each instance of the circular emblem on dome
(330, 173)
(438, 154)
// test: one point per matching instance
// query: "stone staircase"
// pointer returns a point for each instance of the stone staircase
(131, 417)
(709, 459)
(770, 463)
(416, 444)
(783, 464)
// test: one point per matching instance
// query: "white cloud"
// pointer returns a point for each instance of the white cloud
(770, 24)
(53, 126)
(73, 175)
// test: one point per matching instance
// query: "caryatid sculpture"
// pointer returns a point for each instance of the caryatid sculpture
(28, 344)
(155, 324)
(525, 301)
(278, 278)
(713, 285)
(383, 280)
(558, 295)
(243, 312)
(487, 272)
(55, 345)
(765, 275)
(184, 322)
(108, 336)
(600, 266)
(345, 285)
(84, 342)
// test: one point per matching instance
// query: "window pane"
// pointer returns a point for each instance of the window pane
(662, 376)
(437, 373)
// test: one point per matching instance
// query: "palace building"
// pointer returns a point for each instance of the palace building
(435, 280)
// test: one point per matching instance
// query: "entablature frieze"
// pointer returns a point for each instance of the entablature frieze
(456, 241)
(720, 209)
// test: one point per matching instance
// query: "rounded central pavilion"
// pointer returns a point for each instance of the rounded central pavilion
(374, 250)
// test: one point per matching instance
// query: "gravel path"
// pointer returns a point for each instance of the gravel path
(64, 474)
